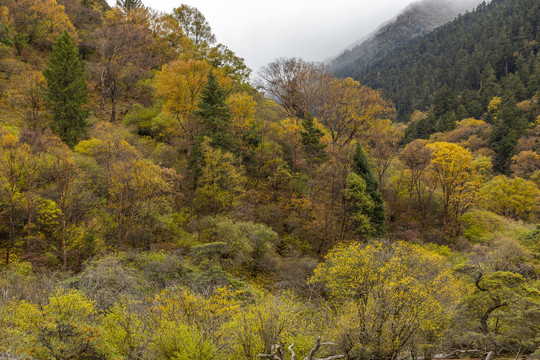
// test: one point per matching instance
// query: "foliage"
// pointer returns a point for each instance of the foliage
(385, 292)
(515, 198)
(67, 90)
(375, 210)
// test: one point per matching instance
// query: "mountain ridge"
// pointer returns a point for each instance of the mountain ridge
(416, 19)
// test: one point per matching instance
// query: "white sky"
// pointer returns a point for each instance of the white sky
(262, 30)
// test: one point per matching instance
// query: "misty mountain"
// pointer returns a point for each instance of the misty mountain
(417, 19)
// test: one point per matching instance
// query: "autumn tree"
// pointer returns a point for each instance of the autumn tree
(137, 191)
(221, 180)
(516, 198)
(295, 84)
(499, 289)
(138, 194)
(179, 85)
(386, 294)
(67, 90)
(34, 101)
(416, 157)
(525, 164)
(63, 172)
(12, 153)
(36, 23)
(347, 107)
(456, 176)
(125, 52)
(383, 139)
(194, 25)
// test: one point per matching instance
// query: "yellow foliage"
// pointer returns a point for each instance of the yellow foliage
(242, 108)
(386, 292)
(494, 104)
(453, 169)
(53, 19)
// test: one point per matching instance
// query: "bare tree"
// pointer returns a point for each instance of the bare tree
(294, 83)
(125, 55)
(278, 354)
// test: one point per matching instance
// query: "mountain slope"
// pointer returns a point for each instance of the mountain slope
(416, 19)
(499, 40)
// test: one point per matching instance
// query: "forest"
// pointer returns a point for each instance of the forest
(160, 201)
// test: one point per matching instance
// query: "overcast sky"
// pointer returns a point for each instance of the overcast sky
(263, 30)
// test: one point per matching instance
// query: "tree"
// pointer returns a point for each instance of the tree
(295, 84)
(347, 107)
(383, 139)
(215, 115)
(12, 154)
(516, 198)
(417, 157)
(386, 295)
(64, 172)
(454, 171)
(507, 129)
(34, 100)
(67, 90)
(194, 25)
(313, 149)
(498, 291)
(377, 216)
(129, 4)
(125, 51)
(179, 84)
(525, 164)
(221, 180)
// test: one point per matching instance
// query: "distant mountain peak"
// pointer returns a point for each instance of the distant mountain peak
(416, 19)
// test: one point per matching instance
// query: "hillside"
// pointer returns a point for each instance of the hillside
(155, 204)
(417, 19)
(501, 38)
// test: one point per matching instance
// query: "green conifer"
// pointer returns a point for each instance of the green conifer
(377, 214)
(215, 114)
(67, 90)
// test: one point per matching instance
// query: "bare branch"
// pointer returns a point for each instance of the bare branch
(293, 354)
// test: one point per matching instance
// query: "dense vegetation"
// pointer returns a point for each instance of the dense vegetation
(419, 18)
(156, 205)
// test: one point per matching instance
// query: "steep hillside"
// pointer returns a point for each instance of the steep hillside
(416, 19)
(500, 38)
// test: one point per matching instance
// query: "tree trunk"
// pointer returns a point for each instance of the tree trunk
(64, 248)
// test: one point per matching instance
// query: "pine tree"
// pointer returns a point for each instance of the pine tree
(215, 119)
(311, 141)
(215, 115)
(129, 4)
(67, 90)
(313, 149)
(377, 214)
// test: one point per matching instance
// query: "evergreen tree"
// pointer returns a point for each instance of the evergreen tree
(376, 213)
(507, 129)
(215, 119)
(215, 115)
(311, 141)
(129, 4)
(313, 149)
(67, 90)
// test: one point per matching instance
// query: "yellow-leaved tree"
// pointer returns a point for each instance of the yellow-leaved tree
(221, 183)
(456, 176)
(386, 295)
(516, 198)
